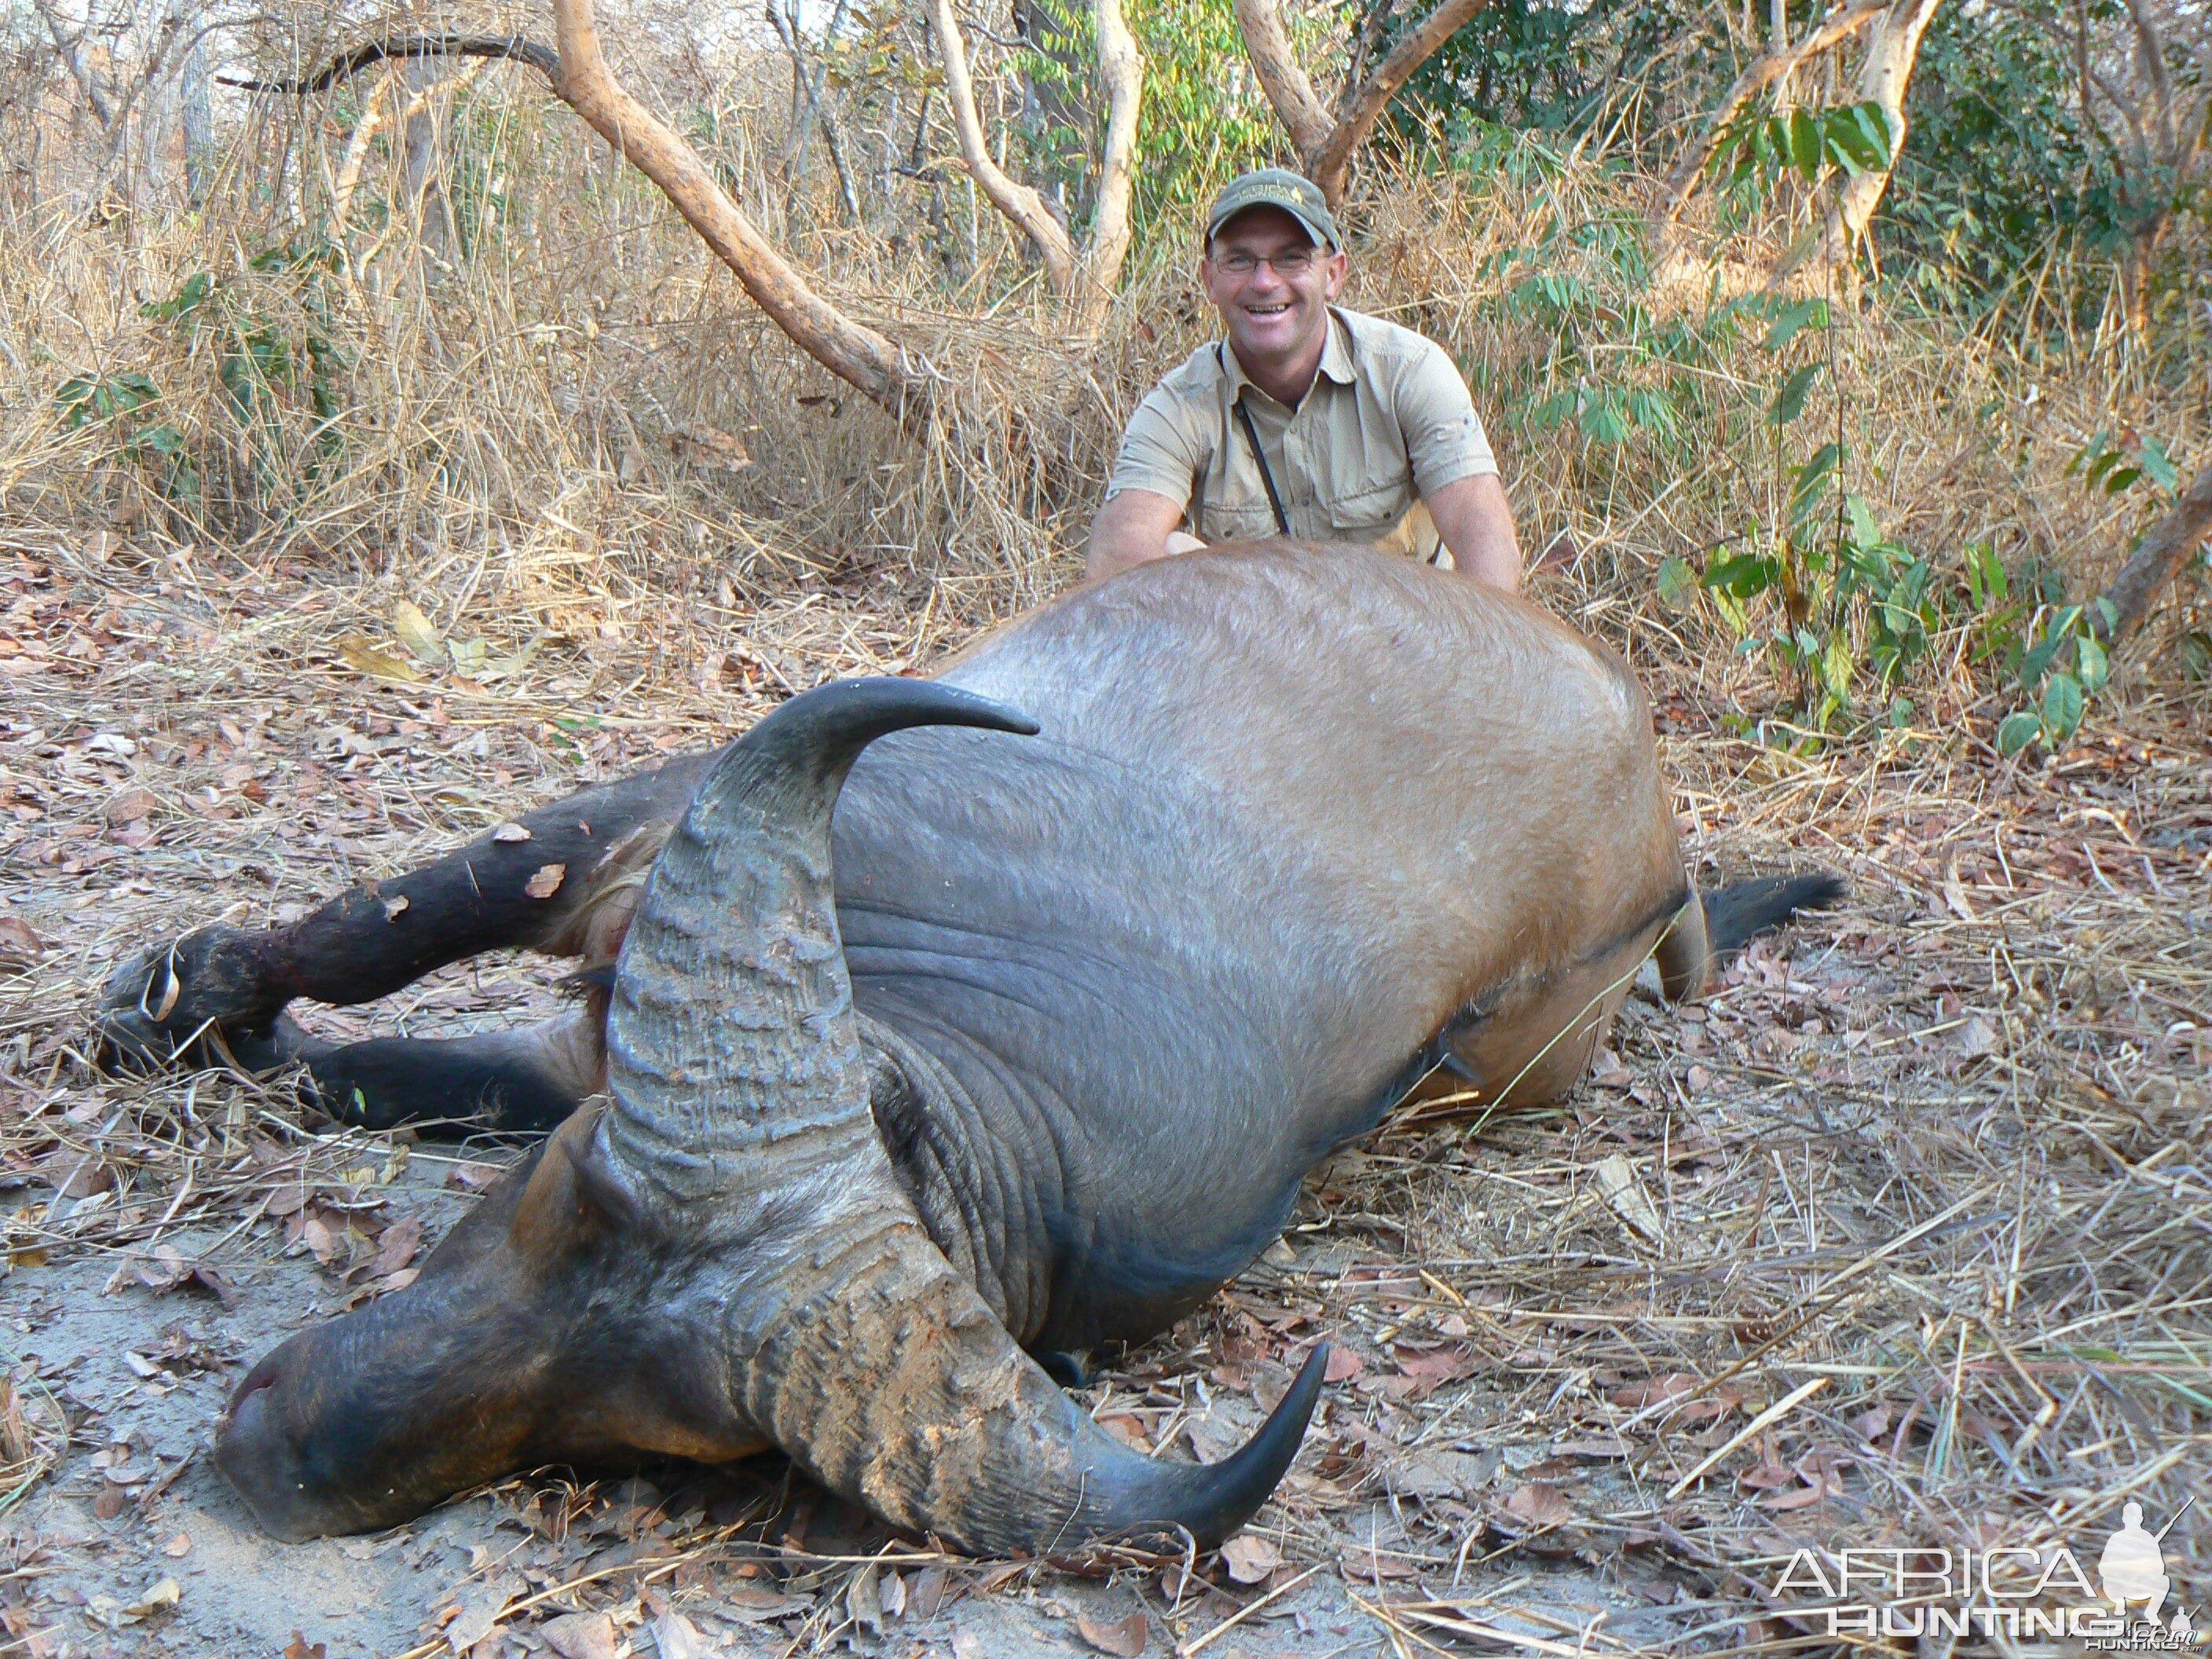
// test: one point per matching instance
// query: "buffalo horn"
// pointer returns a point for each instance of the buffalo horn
(741, 1115)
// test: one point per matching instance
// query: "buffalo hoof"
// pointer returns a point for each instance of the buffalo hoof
(201, 999)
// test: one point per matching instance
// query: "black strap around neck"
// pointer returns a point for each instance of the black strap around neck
(1266, 477)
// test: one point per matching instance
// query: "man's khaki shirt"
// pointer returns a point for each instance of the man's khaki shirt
(1388, 421)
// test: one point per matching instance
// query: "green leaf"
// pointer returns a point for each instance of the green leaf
(1812, 481)
(2120, 477)
(2017, 732)
(1849, 144)
(1873, 120)
(1986, 582)
(2088, 453)
(1603, 420)
(2062, 709)
(1865, 532)
(1793, 318)
(1740, 576)
(1676, 581)
(1805, 144)
(2039, 659)
(2197, 655)
(2091, 663)
(2157, 466)
(1789, 403)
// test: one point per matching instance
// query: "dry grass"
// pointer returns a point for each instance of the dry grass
(1930, 1171)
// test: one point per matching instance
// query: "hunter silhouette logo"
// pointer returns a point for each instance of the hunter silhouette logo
(2015, 1590)
(2133, 1567)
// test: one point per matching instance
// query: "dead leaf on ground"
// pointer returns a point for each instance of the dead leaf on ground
(510, 832)
(1343, 1364)
(547, 882)
(1623, 1193)
(395, 1247)
(1377, 1568)
(479, 1614)
(297, 1648)
(365, 657)
(1434, 1367)
(1249, 1559)
(19, 946)
(417, 633)
(1539, 1503)
(678, 1638)
(1125, 1638)
(131, 806)
(581, 1635)
(698, 442)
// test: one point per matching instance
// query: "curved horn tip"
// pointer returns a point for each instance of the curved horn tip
(1222, 1497)
(866, 706)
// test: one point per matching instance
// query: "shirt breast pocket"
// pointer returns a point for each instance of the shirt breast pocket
(1235, 515)
(1367, 512)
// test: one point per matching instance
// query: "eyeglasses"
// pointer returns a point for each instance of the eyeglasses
(1293, 266)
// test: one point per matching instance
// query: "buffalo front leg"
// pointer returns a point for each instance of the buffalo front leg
(219, 994)
(528, 1078)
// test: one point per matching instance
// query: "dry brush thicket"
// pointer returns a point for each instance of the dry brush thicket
(1931, 1170)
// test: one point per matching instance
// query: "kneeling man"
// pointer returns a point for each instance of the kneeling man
(1305, 420)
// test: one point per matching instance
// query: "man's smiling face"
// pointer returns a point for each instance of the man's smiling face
(1273, 316)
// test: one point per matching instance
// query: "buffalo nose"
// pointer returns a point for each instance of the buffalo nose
(251, 1453)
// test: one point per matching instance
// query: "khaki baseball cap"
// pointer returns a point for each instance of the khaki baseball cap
(1277, 187)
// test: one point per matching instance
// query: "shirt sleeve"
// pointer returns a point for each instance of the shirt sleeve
(1159, 450)
(1444, 438)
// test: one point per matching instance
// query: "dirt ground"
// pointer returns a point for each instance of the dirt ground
(1903, 1238)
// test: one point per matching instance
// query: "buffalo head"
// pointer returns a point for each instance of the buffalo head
(723, 1257)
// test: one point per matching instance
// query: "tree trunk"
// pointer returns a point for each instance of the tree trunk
(198, 124)
(1121, 68)
(1326, 145)
(2158, 556)
(421, 141)
(1890, 58)
(880, 370)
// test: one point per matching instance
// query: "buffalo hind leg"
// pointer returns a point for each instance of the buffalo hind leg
(219, 993)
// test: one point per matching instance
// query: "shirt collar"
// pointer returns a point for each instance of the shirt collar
(1335, 359)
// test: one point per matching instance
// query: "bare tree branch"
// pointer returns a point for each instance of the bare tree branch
(70, 50)
(786, 30)
(879, 369)
(1023, 207)
(2158, 557)
(1282, 77)
(856, 354)
(1361, 106)
(347, 64)
(1326, 145)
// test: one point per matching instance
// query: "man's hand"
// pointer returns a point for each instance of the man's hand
(1135, 526)
(1476, 524)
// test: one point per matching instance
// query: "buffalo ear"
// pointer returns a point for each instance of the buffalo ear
(572, 1197)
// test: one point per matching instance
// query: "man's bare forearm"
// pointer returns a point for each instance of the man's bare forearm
(1476, 522)
(1133, 526)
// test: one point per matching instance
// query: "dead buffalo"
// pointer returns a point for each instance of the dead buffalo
(1186, 876)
